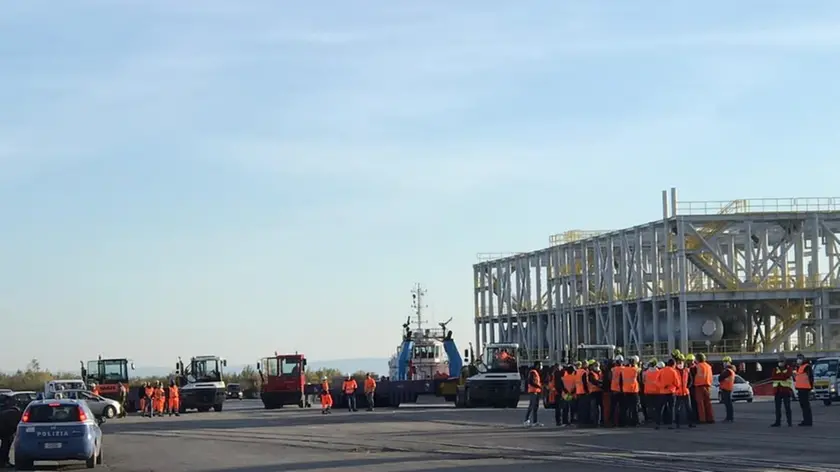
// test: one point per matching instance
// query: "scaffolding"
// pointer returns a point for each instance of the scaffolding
(745, 278)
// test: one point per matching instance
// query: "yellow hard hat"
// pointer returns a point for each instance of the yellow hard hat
(592, 361)
(727, 359)
(689, 357)
(652, 360)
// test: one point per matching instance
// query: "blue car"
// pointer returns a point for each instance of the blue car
(57, 430)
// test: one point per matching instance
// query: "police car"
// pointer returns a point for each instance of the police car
(57, 430)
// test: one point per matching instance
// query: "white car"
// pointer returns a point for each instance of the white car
(741, 391)
(100, 406)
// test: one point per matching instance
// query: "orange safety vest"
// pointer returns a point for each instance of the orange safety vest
(173, 392)
(552, 390)
(568, 381)
(95, 391)
(370, 385)
(579, 390)
(651, 378)
(682, 378)
(629, 380)
(704, 375)
(531, 388)
(325, 388)
(801, 380)
(728, 383)
(349, 386)
(159, 393)
(592, 387)
(668, 381)
(615, 379)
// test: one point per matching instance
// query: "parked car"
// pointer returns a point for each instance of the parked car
(234, 390)
(22, 399)
(742, 389)
(100, 406)
(57, 430)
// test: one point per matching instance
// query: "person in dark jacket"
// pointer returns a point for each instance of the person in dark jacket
(9, 418)
(564, 384)
(781, 377)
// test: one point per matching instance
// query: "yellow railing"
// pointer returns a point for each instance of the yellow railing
(572, 236)
(762, 205)
(692, 242)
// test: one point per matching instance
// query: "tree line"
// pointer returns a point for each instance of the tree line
(33, 377)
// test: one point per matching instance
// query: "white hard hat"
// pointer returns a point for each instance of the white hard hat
(324, 379)
(660, 365)
(634, 358)
(619, 358)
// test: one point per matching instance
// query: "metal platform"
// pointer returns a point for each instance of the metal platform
(746, 278)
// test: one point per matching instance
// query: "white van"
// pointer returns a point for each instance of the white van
(53, 386)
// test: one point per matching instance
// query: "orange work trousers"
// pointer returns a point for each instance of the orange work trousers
(326, 401)
(703, 396)
(174, 404)
(159, 404)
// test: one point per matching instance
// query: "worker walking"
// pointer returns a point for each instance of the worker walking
(174, 399)
(702, 390)
(147, 401)
(534, 395)
(804, 383)
(727, 384)
(326, 397)
(349, 388)
(123, 392)
(370, 391)
(782, 391)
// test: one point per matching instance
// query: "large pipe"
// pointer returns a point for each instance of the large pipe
(702, 326)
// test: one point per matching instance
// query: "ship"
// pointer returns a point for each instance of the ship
(428, 358)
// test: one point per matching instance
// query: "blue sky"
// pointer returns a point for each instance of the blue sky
(184, 178)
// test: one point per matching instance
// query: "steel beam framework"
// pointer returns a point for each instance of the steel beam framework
(747, 277)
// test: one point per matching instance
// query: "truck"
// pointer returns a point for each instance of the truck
(493, 380)
(826, 385)
(283, 379)
(201, 383)
(108, 374)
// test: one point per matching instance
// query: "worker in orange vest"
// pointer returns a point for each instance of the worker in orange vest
(782, 381)
(146, 401)
(174, 399)
(595, 387)
(564, 384)
(727, 385)
(616, 398)
(702, 390)
(581, 395)
(349, 388)
(326, 397)
(630, 389)
(534, 395)
(682, 401)
(370, 390)
(650, 391)
(159, 399)
(803, 382)
(94, 389)
(669, 382)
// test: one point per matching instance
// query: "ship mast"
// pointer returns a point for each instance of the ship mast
(417, 304)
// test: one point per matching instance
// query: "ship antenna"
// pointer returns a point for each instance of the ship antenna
(417, 304)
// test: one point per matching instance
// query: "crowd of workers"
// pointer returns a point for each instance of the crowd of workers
(676, 392)
(348, 389)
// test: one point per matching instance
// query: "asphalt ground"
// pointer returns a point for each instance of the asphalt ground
(247, 438)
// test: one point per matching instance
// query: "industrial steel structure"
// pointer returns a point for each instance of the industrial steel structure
(746, 278)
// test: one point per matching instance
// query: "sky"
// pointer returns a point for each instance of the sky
(238, 178)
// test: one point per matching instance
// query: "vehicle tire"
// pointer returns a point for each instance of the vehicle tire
(203, 409)
(109, 412)
(100, 459)
(91, 462)
(217, 408)
(827, 402)
(749, 400)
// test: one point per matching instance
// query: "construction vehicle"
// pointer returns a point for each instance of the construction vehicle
(492, 380)
(597, 352)
(283, 380)
(201, 383)
(108, 374)
(826, 385)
